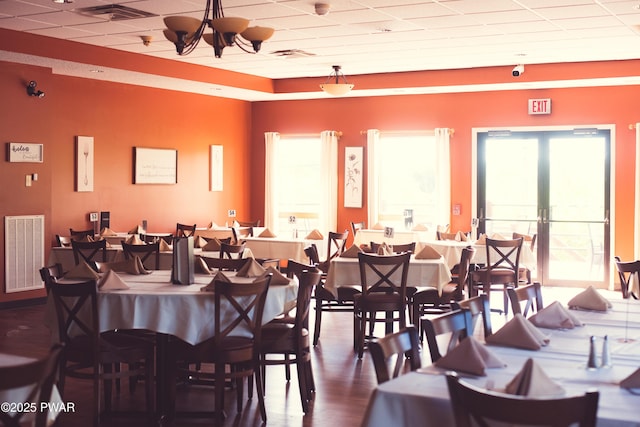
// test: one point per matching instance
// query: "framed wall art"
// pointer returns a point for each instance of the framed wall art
(84, 163)
(24, 152)
(155, 165)
(353, 177)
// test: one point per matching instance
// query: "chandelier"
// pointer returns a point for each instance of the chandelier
(185, 32)
(333, 86)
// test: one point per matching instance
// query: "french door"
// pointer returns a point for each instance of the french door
(554, 184)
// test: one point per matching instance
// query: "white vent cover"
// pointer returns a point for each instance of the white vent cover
(23, 252)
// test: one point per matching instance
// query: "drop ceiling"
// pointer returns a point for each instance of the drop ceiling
(363, 36)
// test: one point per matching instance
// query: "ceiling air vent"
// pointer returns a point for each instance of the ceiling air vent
(115, 12)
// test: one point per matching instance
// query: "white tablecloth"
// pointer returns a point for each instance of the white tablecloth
(283, 248)
(424, 396)
(366, 236)
(422, 272)
(451, 250)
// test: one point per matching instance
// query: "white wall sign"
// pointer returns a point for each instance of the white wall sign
(23, 152)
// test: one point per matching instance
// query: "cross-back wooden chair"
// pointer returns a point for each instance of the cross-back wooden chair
(185, 230)
(530, 294)
(384, 289)
(478, 308)
(63, 241)
(501, 271)
(80, 234)
(36, 378)
(475, 406)
(626, 270)
(226, 264)
(232, 251)
(530, 241)
(255, 223)
(403, 346)
(457, 323)
(89, 252)
(356, 226)
(149, 254)
(51, 274)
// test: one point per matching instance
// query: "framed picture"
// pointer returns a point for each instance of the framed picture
(353, 177)
(155, 165)
(216, 168)
(24, 152)
(84, 163)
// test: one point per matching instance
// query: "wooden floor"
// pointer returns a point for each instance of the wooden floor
(343, 382)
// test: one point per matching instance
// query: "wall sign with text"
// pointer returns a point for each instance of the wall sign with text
(24, 152)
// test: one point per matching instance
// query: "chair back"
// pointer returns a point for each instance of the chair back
(232, 251)
(398, 248)
(37, 378)
(63, 241)
(474, 406)
(311, 252)
(626, 270)
(355, 226)
(240, 233)
(464, 271)
(295, 269)
(168, 238)
(504, 255)
(307, 281)
(478, 307)
(255, 223)
(387, 274)
(51, 274)
(80, 234)
(529, 239)
(89, 252)
(395, 345)
(532, 294)
(457, 323)
(149, 254)
(336, 243)
(441, 235)
(226, 264)
(185, 230)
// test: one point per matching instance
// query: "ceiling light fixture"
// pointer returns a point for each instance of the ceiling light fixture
(333, 86)
(185, 32)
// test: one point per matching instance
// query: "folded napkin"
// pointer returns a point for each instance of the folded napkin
(365, 248)
(106, 231)
(85, 238)
(251, 268)
(213, 225)
(314, 235)
(519, 333)
(532, 381)
(482, 240)
(497, 236)
(136, 230)
(589, 299)
(632, 381)
(555, 316)
(377, 226)
(134, 240)
(202, 266)
(212, 245)
(384, 249)
(82, 271)
(127, 266)
(111, 282)
(277, 278)
(219, 277)
(266, 233)
(471, 357)
(199, 242)
(428, 253)
(164, 246)
(141, 268)
(461, 237)
(352, 252)
(419, 227)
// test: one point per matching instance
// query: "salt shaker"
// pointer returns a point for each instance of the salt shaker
(605, 362)
(592, 363)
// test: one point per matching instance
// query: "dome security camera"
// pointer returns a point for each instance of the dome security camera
(517, 71)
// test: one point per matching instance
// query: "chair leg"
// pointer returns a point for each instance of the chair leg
(260, 392)
(316, 329)
(219, 392)
(302, 385)
(287, 368)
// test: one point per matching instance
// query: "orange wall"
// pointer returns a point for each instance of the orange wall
(462, 112)
(119, 117)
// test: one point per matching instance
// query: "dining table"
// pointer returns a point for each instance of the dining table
(365, 236)
(423, 394)
(451, 250)
(284, 248)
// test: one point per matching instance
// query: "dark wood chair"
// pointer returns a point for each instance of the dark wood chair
(501, 271)
(456, 323)
(255, 223)
(149, 254)
(384, 289)
(291, 340)
(440, 235)
(81, 234)
(63, 241)
(89, 252)
(235, 357)
(403, 346)
(51, 274)
(37, 378)
(91, 354)
(626, 269)
(473, 406)
(168, 238)
(225, 264)
(398, 248)
(478, 307)
(185, 230)
(530, 294)
(240, 233)
(232, 251)
(356, 226)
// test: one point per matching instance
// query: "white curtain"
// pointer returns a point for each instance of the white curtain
(443, 175)
(373, 138)
(329, 179)
(271, 140)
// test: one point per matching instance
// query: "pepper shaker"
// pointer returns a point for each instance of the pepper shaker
(592, 362)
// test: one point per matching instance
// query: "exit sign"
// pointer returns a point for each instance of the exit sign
(540, 106)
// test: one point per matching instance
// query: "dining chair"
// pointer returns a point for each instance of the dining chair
(37, 379)
(428, 300)
(290, 340)
(89, 252)
(478, 308)
(457, 323)
(81, 234)
(232, 251)
(474, 405)
(401, 349)
(91, 354)
(530, 294)
(626, 270)
(225, 264)
(63, 241)
(529, 240)
(147, 238)
(50, 274)
(441, 235)
(356, 226)
(383, 289)
(255, 223)
(501, 271)
(397, 248)
(148, 253)
(235, 356)
(185, 230)
(240, 233)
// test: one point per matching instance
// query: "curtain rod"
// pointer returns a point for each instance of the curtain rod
(307, 135)
(408, 132)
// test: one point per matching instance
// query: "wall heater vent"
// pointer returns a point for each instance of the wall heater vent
(24, 252)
